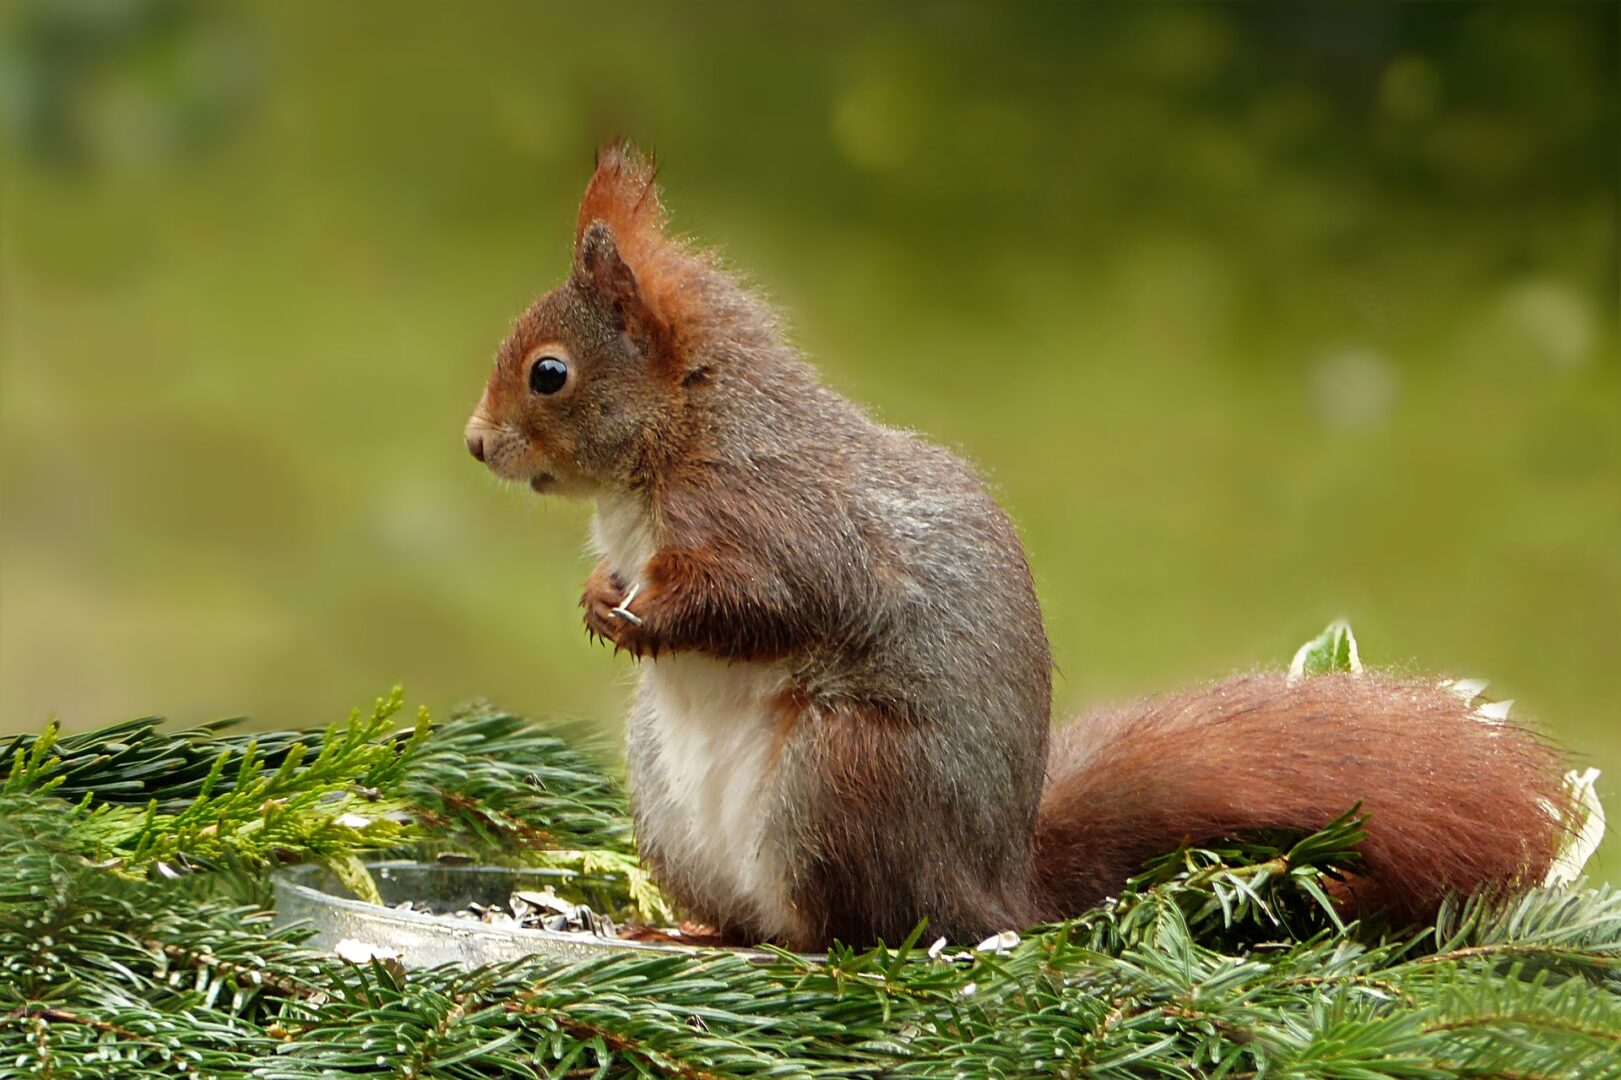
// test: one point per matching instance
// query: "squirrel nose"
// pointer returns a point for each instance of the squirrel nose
(475, 444)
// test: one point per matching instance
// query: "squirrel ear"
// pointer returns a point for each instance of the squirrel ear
(623, 261)
(608, 279)
(603, 271)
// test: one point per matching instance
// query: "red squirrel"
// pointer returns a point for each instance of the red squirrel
(842, 722)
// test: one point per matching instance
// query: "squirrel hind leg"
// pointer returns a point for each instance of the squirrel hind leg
(883, 839)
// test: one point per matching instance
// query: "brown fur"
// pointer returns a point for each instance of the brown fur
(898, 775)
(1453, 802)
(871, 860)
(670, 275)
(698, 600)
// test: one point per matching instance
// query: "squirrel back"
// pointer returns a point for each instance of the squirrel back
(842, 722)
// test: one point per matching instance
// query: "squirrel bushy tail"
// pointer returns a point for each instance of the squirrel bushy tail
(1454, 802)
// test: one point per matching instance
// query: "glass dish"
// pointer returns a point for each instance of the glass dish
(312, 895)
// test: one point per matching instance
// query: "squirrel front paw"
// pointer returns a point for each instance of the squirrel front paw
(612, 614)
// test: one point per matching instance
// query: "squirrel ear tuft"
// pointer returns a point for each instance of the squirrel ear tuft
(624, 195)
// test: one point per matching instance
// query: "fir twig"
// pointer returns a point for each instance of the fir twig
(1222, 961)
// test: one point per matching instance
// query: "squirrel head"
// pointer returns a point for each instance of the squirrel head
(589, 389)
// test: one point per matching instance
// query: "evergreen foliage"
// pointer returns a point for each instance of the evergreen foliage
(133, 942)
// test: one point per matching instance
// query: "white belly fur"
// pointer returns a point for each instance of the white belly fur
(713, 725)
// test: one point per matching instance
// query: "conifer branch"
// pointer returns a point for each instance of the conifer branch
(1223, 960)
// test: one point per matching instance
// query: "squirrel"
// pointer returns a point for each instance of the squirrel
(841, 727)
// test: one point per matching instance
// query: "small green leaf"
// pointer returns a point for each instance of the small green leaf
(1332, 650)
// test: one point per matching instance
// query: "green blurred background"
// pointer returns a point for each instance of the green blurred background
(1255, 314)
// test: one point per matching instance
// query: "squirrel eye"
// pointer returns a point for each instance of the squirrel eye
(548, 375)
